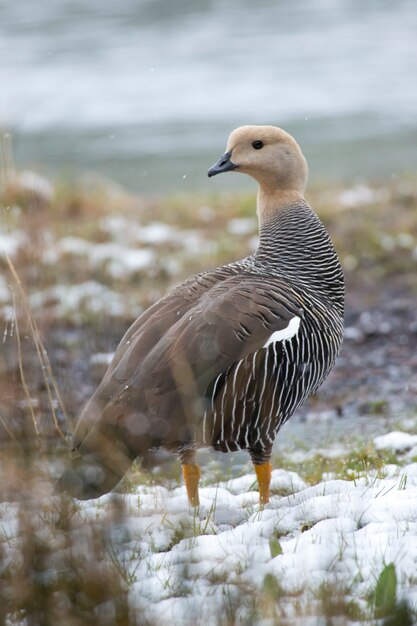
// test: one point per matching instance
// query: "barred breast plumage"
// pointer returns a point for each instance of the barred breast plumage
(225, 358)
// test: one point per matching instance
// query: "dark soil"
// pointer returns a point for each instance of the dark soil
(376, 373)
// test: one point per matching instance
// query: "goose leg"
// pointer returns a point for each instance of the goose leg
(191, 473)
(260, 457)
(263, 474)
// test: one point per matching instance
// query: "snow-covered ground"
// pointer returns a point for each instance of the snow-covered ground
(131, 250)
(182, 565)
(328, 535)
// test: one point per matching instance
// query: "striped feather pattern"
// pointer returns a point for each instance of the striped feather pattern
(252, 400)
(192, 370)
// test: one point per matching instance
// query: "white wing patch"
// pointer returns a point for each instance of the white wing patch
(285, 333)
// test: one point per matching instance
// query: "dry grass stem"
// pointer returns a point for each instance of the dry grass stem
(47, 373)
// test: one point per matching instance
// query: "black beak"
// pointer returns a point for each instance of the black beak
(224, 164)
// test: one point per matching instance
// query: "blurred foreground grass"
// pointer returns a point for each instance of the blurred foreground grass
(92, 257)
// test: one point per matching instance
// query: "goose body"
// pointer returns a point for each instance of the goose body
(226, 357)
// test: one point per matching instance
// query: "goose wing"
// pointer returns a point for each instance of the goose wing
(141, 337)
(233, 319)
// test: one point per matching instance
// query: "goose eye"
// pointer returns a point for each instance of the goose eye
(257, 144)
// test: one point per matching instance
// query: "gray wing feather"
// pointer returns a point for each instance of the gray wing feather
(225, 323)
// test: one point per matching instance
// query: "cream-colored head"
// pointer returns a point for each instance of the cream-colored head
(268, 154)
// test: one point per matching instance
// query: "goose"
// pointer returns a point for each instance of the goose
(225, 358)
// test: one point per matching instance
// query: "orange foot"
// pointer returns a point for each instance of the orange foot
(263, 474)
(191, 475)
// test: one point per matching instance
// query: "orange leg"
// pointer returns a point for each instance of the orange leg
(263, 474)
(191, 473)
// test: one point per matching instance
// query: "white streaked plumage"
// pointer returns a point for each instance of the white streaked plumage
(286, 333)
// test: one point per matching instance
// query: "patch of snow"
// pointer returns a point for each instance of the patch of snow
(11, 242)
(123, 230)
(281, 480)
(101, 358)
(120, 260)
(412, 453)
(352, 333)
(396, 441)
(360, 195)
(387, 242)
(405, 240)
(89, 296)
(155, 233)
(351, 528)
(253, 243)
(193, 242)
(338, 531)
(9, 520)
(301, 456)
(323, 416)
(170, 265)
(75, 245)
(409, 423)
(242, 226)
(116, 225)
(350, 262)
(4, 290)
(66, 245)
(207, 213)
(34, 183)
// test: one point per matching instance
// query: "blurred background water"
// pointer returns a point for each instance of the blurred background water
(146, 91)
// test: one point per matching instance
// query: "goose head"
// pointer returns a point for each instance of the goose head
(267, 153)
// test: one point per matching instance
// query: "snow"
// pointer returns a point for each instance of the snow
(242, 226)
(120, 229)
(332, 530)
(340, 532)
(361, 195)
(86, 297)
(396, 441)
(281, 480)
(101, 358)
(11, 242)
(120, 261)
(133, 248)
(4, 290)
(34, 183)
(192, 241)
